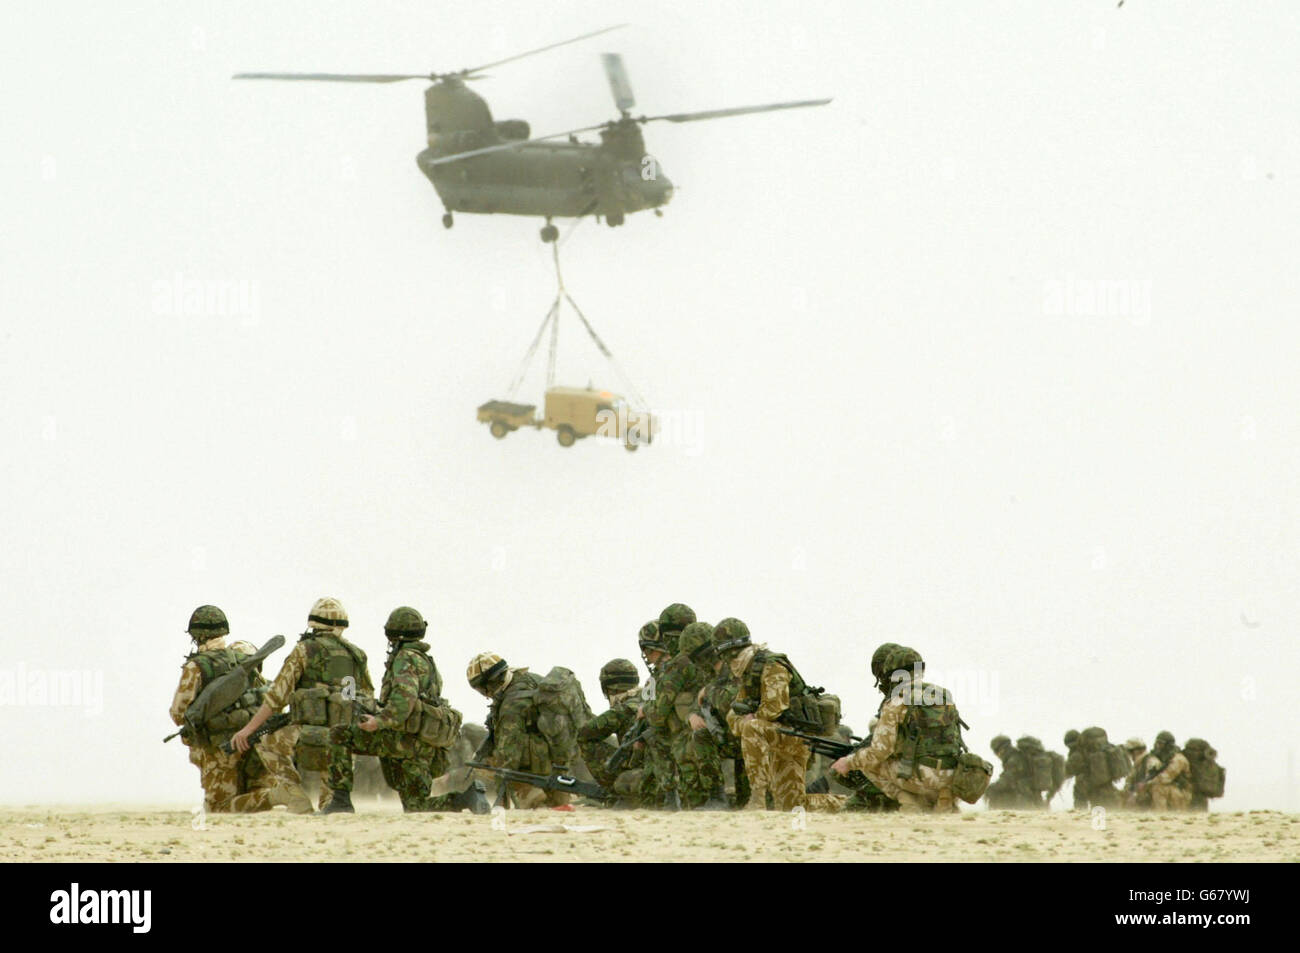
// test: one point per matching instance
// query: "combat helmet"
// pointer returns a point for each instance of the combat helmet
(696, 641)
(902, 659)
(730, 636)
(878, 659)
(1071, 737)
(328, 613)
(1000, 742)
(207, 622)
(485, 673)
(617, 675)
(649, 639)
(1135, 744)
(676, 617)
(1165, 738)
(405, 624)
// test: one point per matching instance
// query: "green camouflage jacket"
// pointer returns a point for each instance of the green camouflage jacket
(409, 677)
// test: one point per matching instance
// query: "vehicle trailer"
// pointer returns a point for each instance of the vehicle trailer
(574, 413)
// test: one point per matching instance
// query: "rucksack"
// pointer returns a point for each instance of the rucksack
(1207, 775)
(1058, 770)
(1040, 763)
(1118, 761)
(561, 710)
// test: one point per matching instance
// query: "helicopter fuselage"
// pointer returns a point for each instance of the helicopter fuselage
(561, 180)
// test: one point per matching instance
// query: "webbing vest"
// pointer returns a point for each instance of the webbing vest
(752, 681)
(331, 659)
(430, 681)
(931, 732)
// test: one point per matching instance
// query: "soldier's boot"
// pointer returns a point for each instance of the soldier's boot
(820, 786)
(474, 798)
(291, 796)
(340, 803)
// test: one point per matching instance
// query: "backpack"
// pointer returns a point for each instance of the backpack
(1118, 761)
(1207, 775)
(561, 710)
(1058, 770)
(1041, 774)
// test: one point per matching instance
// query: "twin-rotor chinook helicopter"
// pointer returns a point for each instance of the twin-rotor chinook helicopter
(479, 165)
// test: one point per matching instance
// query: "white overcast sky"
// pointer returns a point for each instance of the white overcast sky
(895, 413)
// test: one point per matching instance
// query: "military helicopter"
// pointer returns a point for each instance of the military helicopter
(482, 166)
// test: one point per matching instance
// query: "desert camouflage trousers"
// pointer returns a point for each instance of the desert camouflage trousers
(778, 764)
(256, 781)
(408, 766)
(1169, 797)
(928, 789)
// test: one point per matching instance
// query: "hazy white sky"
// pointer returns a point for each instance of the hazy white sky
(898, 408)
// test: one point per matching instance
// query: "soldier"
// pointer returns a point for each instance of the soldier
(514, 740)
(866, 795)
(676, 687)
(1207, 775)
(711, 740)
(917, 741)
(414, 726)
(326, 679)
(621, 686)
(1013, 790)
(771, 693)
(656, 784)
(1170, 786)
(266, 777)
(1094, 770)
(1137, 753)
(672, 622)
(1074, 764)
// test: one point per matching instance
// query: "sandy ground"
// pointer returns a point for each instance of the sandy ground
(379, 832)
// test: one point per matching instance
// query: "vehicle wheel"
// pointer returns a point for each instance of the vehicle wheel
(550, 233)
(499, 430)
(630, 447)
(614, 219)
(448, 221)
(566, 436)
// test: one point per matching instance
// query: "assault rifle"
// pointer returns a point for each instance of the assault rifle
(712, 723)
(548, 782)
(825, 746)
(222, 692)
(274, 723)
(641, 731)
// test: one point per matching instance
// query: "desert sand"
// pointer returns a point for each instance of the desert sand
(380, 832)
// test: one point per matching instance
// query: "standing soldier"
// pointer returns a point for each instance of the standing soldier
(1170, 784)
(514, 741)
(414, 725)
(324, 680)
(916, 743)
(266, 777)
(1076, 767)
(771, 694)
(621, 685)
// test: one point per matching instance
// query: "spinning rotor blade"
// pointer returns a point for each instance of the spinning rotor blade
(512, 144)
(618, 82)
(543, 49)
(339, 77)
(472, 73)
(736, 111)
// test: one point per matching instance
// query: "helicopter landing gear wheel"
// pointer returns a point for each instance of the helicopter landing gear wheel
(550, 233)
(614, 219)
(447, 220)
(565, 436)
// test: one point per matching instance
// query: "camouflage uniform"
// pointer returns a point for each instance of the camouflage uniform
(917, 728)
(1137, 752)
(1091, 791)
(596, 750)
(515, 742)
(702, 752)
(1171, 785)
(1013, 790)
(234, 783)
(675, 694)
(323, 657)
(775, 762)
(411, 692)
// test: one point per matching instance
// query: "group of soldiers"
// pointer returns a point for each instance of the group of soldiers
(1106, 775)
(716, 707)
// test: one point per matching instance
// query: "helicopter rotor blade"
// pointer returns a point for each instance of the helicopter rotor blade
(339, 77)
(618, 82)
(512, 144)
(540, 49)
(735, 111)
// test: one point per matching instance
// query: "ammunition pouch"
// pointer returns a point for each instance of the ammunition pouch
(804, 713)
(439, 725)
(312, 752)
(310, 706)
(970, 779)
